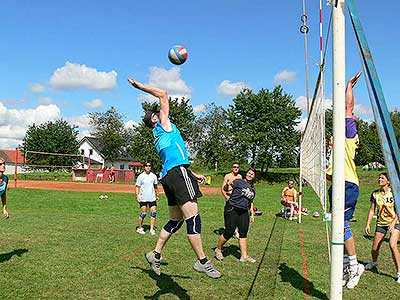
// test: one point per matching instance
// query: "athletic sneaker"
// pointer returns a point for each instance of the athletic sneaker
(372, 264)
(354, 277)
(153, 262)
(346, 275)
(152, 232)
(207, 268)
(218, 254)
(140, 230)
(247, 259)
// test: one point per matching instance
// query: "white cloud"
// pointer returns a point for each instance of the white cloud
(14, 123)
(36, 88)
(77, 76)
(285, 77)
(362, 110)
(301, 102)
(81, 121)
(95, 103)
(200, 108)
(45, 100)
(228, 88)
(130, 124)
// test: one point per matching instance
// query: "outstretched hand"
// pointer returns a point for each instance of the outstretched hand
(133, 82)
(353, 80)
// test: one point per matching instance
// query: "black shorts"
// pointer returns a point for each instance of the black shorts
(180, 186)
(149, 204)
(235, 217)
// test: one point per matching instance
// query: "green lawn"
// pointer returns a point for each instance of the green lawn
(71, 245)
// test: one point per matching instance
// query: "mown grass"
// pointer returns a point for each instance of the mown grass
(71, 245)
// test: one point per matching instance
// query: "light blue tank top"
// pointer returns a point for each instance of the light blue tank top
(170, 146)
(3, 186)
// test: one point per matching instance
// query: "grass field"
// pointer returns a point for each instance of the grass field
(71, 245)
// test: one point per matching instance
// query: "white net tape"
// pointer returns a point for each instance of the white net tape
(313, 156)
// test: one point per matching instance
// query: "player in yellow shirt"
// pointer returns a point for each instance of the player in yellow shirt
(353, 272)
(388, 220)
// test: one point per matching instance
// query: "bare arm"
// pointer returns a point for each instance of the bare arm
(137, 188)
(251, 212)
(156, 191)
(224, 187)
(162, 95)
(350, 95)
(4, 203)
(200, 178)
(369, 219)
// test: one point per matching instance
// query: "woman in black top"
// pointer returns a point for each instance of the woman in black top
(236, 214)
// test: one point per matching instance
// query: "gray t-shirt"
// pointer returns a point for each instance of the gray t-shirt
(146, 182)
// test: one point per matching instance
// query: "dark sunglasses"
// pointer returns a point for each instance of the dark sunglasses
(147, 165)
(235, 167)
(2, 164)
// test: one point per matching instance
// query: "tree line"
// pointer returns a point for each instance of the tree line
(257, 129)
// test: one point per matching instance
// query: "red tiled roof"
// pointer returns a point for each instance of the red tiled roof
(135, 164)
(9, 156)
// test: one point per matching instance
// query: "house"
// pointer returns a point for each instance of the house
(12, 158)
(90, 147)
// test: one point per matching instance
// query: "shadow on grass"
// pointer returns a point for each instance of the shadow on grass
(219, 231)
(299, 282)
(376, 270)
(166, 285)
(7, 256)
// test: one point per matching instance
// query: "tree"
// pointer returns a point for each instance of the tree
(109, 128)
(213, 142)
(51, 137)
(263, 128)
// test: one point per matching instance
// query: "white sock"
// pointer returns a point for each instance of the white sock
(398, 274)
(346, 261)
(353, 263)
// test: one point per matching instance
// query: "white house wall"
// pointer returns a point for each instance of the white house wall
(86, 147)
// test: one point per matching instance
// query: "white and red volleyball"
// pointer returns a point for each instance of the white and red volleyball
(177, 55)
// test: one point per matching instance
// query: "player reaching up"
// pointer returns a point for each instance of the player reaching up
(180, 184)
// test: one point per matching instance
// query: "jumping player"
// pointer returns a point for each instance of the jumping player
(179, 183)
(352, 273)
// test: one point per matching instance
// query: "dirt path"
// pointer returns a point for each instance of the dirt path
(90, 187)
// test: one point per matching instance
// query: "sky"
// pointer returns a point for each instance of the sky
(66, 59)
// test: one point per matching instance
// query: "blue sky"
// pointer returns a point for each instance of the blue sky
(69, 58)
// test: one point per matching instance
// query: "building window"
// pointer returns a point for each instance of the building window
(90, 151)
(82, 151)
(121, 167)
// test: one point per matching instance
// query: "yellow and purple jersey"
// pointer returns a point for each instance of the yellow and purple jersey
(351, 146)
(386, 207)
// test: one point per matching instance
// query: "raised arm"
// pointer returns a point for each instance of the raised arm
(162, 95)
(350, 95)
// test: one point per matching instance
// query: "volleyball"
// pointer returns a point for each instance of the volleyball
(315, 214)
(177, 55)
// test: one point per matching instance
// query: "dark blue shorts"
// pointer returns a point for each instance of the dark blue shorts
(351, 192)
(385, 229)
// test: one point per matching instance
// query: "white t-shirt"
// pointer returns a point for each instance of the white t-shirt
(147, 183)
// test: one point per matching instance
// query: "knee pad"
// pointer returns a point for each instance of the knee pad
(173, 226)
(193, 224)
(153, 213)
(347, 231)
(143, 215)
